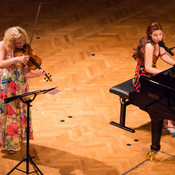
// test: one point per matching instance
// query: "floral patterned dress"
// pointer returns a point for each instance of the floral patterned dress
(140, 71)
(13, 115)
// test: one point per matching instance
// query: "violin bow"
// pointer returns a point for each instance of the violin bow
(48, 76)
(36, 19)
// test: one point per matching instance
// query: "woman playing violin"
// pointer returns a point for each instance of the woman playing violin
(13, 81)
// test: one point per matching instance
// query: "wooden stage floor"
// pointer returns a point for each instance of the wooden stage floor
(87, 46)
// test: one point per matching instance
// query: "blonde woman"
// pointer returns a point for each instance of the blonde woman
(13, 81)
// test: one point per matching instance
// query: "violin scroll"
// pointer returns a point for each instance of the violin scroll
(48, 77)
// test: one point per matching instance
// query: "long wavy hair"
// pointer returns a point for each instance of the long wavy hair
(11, 34)
(139, 54)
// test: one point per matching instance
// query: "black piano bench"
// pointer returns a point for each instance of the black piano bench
(123, 90)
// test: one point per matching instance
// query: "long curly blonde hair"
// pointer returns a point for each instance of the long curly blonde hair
(13, 33)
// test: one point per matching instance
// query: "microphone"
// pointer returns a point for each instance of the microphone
(161, 44)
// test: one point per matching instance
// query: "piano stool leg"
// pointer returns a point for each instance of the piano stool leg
(124, 103)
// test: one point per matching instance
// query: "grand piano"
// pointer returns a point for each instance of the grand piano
(157, 98)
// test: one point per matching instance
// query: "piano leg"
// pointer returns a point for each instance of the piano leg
(156, 127)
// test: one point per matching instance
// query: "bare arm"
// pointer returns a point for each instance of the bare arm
(149, 48)
(166, 57)
(29, 74)
(6, 63)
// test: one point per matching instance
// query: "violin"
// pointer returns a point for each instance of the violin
(34, 61)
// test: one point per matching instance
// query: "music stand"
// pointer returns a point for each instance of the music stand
(28, 101)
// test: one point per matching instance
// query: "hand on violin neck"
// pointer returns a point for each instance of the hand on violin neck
(40, 72)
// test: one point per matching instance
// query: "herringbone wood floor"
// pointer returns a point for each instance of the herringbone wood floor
(87, 46)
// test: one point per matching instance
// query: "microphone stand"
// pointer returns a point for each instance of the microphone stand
(161, 44)
(171, 48)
